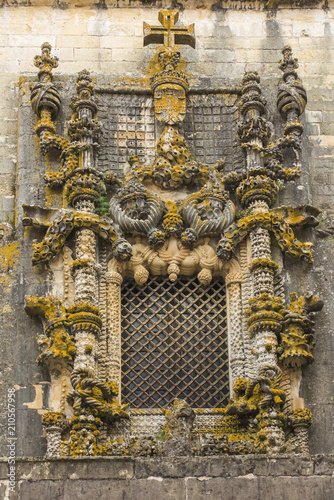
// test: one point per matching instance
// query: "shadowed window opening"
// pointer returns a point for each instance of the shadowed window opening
(174, 343)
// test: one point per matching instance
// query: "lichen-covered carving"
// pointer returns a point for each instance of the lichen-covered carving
(91, 396)
(291, 99)
(179, 422)
(209, 210)
(264, 312)
(57, 340)
(273, 223)
(169, 88)
(83, 184)
(54, 424)
(45, 98)
(134, 208)
(297, 330)
(300, 420)
(251, 395)
(94, 402)
(264, 177)
(61, 228)
(261, 399)
(252, 127)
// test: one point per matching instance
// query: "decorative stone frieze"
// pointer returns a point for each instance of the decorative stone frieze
(173, 218)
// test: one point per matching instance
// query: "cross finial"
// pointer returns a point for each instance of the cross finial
(46, 62)
(168, 34)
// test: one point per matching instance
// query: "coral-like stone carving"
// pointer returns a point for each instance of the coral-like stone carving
(298, 328)
(94, 402)
(54, 424)
(179, 422)
(57, 341)
(61, 228)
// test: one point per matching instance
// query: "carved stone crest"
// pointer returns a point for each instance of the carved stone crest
(170, 103)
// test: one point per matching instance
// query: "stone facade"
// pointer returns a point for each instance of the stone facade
(254, 478)
(231, 38)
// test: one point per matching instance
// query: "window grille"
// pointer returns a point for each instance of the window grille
(174, 343)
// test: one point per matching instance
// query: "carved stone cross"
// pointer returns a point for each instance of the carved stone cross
(168, 34)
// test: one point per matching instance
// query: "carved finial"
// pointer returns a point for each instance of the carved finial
(168, 34)
(85, 86)
(45, 62)
(45, 98)
(85, 91)
(252, 126)
(291, 98)
(289, 63)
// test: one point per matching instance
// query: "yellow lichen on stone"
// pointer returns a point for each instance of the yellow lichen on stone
(9, 255)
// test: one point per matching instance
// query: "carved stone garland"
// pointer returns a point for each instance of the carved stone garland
(147, 235)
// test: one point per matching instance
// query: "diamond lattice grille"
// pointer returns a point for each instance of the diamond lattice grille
(174, 343)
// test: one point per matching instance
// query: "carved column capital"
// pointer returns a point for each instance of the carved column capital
(233, 278)
(114, 278)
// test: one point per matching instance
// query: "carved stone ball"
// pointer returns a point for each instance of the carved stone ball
(123, 250)
(189, 237)
(205, 277)
(173, 271)
(45, 95)
(156, 237)
(141, 275)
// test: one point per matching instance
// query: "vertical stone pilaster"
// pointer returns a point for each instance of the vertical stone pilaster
(102, 345)
(263, 284)
(301, 433)
(83, 187)
(113, 365)
(236, 343)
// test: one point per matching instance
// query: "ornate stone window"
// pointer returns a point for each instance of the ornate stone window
(207, 352)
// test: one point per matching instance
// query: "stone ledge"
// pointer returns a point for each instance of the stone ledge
(149, 4)
(324, 464)
(39, 469)
(227, 466)
(124, 468)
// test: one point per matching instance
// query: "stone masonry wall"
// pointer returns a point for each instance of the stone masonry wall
(231, 37)
(109, 41)
(231, 478)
